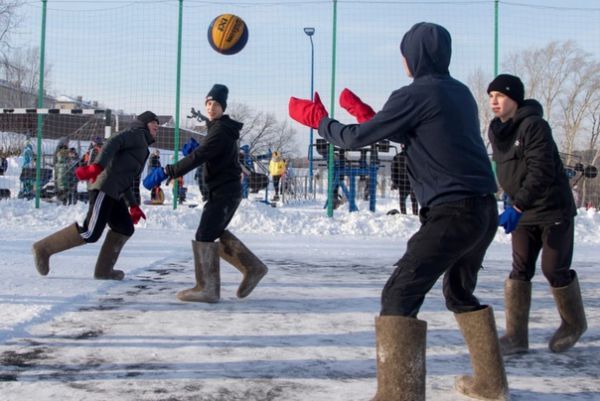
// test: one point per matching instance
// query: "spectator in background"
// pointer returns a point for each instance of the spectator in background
(28, 155)
(3, 165)
(154, 160)
(72, 195)
(93, 150)
(363, 179)
(62, 171)
(89, 157)
(401, 182)
(540, 218)
(276, 169)
(156, 194)
(27, 177)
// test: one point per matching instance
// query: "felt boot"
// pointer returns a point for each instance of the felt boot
(401, 343)
(109, 253)
(573, 322)
(239, 256)
(488, 381)
(517, 303)
(208, 279)
(62, 240)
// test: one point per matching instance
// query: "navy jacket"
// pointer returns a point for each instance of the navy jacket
(435, 117)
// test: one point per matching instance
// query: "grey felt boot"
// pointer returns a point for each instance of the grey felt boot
(208, 279)
(401, 343)
(107, 258)
(488, 381)
(573, 322)
(60, 241)
(517, 303)
(239, 256)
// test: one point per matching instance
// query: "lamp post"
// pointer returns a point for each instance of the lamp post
(310, 31)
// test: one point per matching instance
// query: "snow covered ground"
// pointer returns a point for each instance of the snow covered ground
(306, 333)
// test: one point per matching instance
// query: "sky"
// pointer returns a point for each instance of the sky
(305, 334)
(123, 54)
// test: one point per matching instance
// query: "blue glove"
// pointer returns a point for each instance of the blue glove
(189, 146)
(156, 176)
(509, 219)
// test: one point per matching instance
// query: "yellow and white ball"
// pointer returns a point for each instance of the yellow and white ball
(227, 34)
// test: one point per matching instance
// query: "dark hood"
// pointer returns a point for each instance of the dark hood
(139, 125)
(427, 48)
(504, 132)
(234, 126)
(530, 107)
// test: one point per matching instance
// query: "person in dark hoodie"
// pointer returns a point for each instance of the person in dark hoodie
(436, 119)
(219, 154)
(112, 201)
(540, 217)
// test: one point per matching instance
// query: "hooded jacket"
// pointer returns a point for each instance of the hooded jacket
(435, 117)
(220, 155)
(529, 168)
(123, 158)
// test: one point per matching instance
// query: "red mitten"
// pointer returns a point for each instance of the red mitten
(136, 214)
(352, 103)
(88, 172)
(307, 112)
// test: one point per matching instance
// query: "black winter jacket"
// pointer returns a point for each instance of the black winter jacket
(123, 158)
(220, 153)
(435, 117)
(529, 168)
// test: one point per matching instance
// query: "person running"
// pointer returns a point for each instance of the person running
(112, 201)
(219, 154)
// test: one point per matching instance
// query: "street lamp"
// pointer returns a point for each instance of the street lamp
(310, 31)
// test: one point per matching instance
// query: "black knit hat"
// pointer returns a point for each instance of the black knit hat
(218, 93)
(147, 117)
(509, 85)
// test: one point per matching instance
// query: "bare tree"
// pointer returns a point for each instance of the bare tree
(11, 144)
(594, 117)
(21, 68)
(262, 132)
(565, 79)
(592, 186)
(580, 97)
(9, 20)
(545, 71)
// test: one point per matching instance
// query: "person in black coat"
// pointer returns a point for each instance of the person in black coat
(436, 119)
(112, 178)
(540, 215)
(219, 154)
(401, 182)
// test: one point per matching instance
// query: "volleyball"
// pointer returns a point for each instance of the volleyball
(227, 34)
